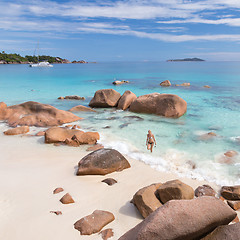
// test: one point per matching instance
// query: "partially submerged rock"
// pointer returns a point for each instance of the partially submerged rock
(206, 86)
(165, 83)
(126, 99)
(183, 85)
(67, 199)
(231, 153)
(35, 114)
(105, 98)
(205, 190)
(174, 189)
(109, 181)
(17, 130)
(118, 82)
(70, 136)
(146, 201)
(167, 105)
(208, 136)
(230, 192)
(226, 232)
(93, 223)
(72, 97)
(81, 108)
(102, 162)
(182, 219)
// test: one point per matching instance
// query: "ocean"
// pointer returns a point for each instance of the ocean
(179, 145)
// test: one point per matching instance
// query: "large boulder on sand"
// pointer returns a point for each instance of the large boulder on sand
(105, 98)
(102, 162)
(167, 105)
(126, 99)
(60, 134)
(174, 189)
(81, 108)
(231, 192)
(17, 130)
(146, 201)
(226, 232)
(94, 222)
(182, 219)
(35, 114)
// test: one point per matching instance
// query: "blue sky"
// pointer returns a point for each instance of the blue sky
(129, 30)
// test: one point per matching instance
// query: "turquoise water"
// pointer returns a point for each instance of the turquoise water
(178, 142)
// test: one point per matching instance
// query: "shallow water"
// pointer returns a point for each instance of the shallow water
(178, 142)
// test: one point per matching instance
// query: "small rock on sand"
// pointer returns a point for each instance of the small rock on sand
(109, 181)
(67, 199)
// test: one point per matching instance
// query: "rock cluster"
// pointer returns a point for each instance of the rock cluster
(183, 219)
(71, 137)
(35, 114)
(167, 105)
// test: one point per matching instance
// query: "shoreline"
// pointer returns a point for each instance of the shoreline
(31, 170)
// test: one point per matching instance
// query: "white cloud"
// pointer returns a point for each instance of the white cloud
(227, 21)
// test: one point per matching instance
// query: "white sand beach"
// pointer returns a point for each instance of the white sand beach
(29, 172)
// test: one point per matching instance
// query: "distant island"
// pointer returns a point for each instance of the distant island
(14, 58)
(186, 60)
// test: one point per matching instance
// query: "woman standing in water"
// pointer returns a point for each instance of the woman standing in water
(150, 141)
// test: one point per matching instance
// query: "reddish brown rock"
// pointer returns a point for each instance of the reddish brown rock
(167, 105)
(231, 192)
(174, 190)
(81, 108)
(56, 212)
(146, 201)
(67, 199)
(58, 190)
(70, 136)
(109, 181)
(95, 147)
(126, 99)
(105, 98)
(165, 83)
(102, 162)
(234, 204)
(205, 190)
(17, 130)
(183, 219)
(93, 223)
(36, 114)
(107, 233)
(61, 98)
(206, 86)
(226, 232)
(41, 133)
(231, 153)
(183, 85)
